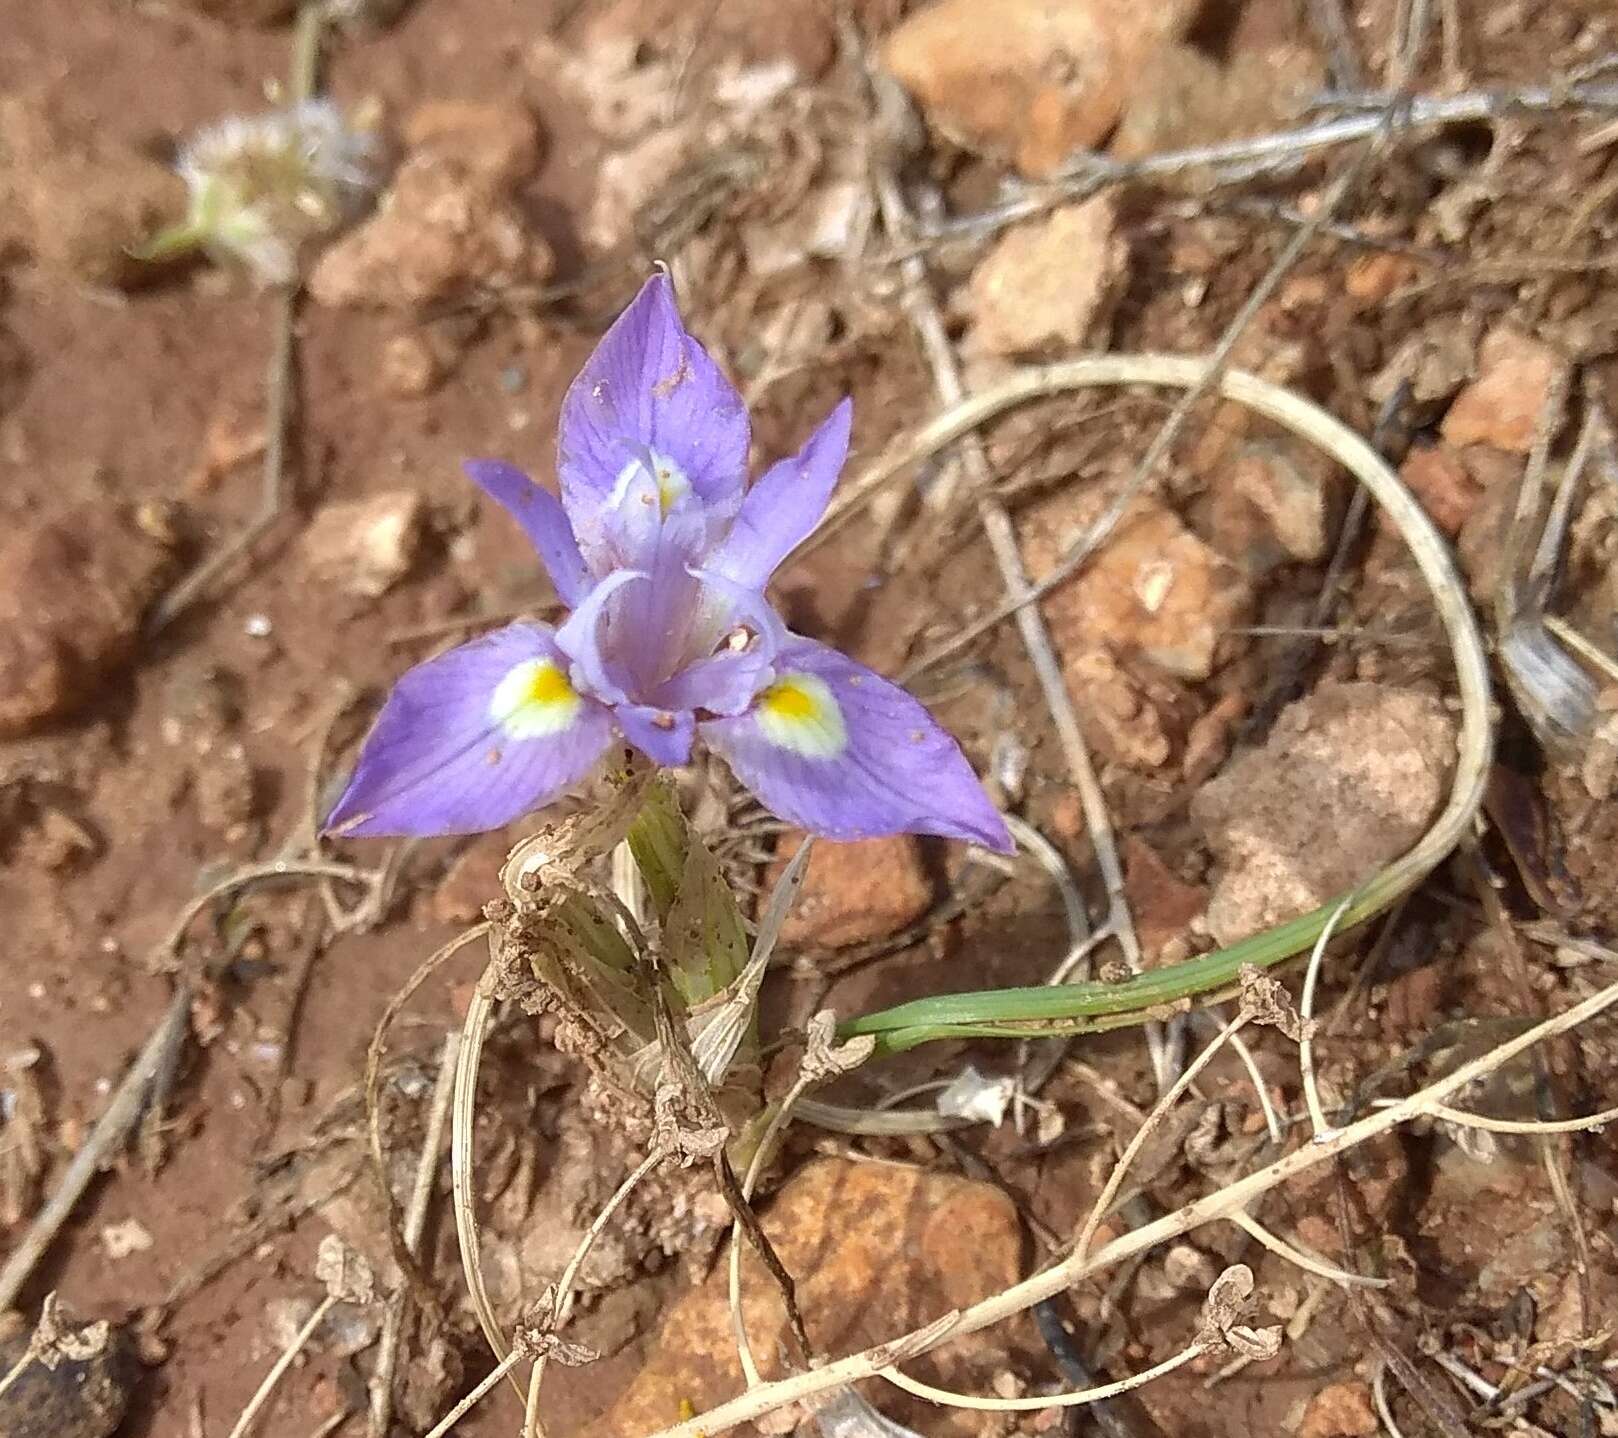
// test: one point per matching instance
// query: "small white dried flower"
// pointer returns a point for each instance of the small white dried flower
(977, 1097)
(261, 187)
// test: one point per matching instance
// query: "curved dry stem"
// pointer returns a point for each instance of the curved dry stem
(1239, 1195)
(164, 952)
(950, 1399)
(402, 1253)
(1074, 913)
(1306, 1011)
(1115, 1180)
(1272, 1119)
(1299, 1257)
(462, 1114)
(1590, 1123)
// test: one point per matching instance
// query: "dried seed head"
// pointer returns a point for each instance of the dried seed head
(262, 187)
(347, 1276)
(1222, 1315)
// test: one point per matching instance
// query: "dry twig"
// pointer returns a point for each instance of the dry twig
(116, 1123)
(1285, 151)
(415, 1224)
(278, 1370)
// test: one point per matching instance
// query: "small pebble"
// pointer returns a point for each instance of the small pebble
(410, 366)
(365, 546)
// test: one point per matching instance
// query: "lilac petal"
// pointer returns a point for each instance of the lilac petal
(543, 520)
(650, 386)
(837, 749)
(786, 504)
(468, 741)
(663, 735)
(597, 672)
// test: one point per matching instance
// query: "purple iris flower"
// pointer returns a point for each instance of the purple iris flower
(662, 555)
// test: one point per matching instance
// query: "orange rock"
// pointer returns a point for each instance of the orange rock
(365, 546)
(1155, 589)
(72, 593)
(443, 228)
(1163, 904)
(1435, 360)
(1029, 80)
(1341, 1411)
(1481, 544)
(1372, 278)
(1318, 1233)
(1207, 743)
(1293, 490)
(855, 892)
(1047, 282)
(1347, 780)
(1304, 292)
(875, 1250)
(500, 141)
(1447, 491)
(1116, 709)
(410, 366)
(1501, 407)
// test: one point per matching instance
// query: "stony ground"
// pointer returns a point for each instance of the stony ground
(1260, 677)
